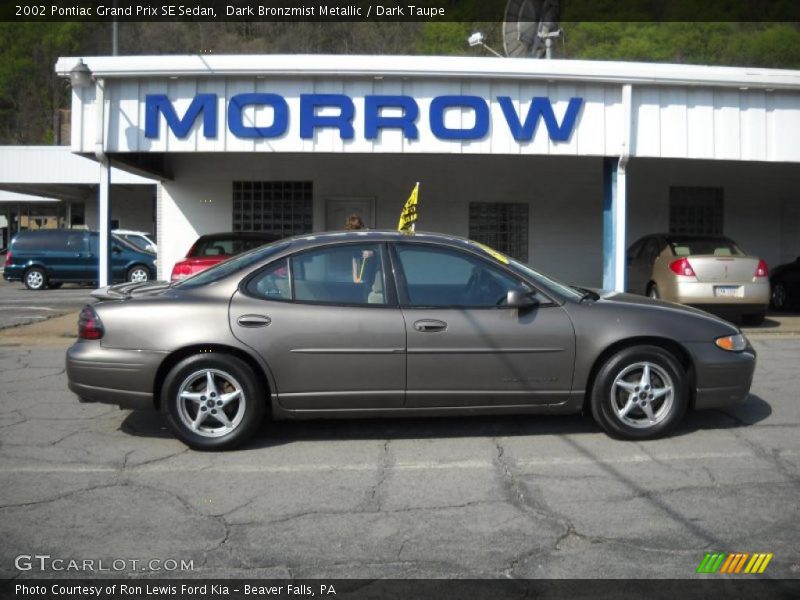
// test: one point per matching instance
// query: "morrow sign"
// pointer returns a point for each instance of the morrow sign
(405, 116)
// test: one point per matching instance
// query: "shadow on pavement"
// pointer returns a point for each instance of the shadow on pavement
(151, 424)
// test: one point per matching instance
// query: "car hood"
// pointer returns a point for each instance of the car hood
(122, 291)
(611, 296)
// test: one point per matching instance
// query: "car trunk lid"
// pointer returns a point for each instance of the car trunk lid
(725, 270)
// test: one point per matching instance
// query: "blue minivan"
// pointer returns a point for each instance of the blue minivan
(48, 258)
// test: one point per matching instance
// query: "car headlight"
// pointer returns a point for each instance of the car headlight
(732, 343)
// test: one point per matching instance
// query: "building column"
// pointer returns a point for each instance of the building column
(104, 224)
(614, 224)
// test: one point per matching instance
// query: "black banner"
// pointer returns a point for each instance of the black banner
(398, 10)
(744, 587)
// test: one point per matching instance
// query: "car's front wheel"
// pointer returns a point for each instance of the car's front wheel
(213, 401)
(640, 393)
(35, 279)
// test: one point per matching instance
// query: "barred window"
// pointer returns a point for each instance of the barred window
(284, 208)
(696, 210)
(501, 225)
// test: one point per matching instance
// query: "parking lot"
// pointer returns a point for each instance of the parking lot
(20, 306)
(455, 497)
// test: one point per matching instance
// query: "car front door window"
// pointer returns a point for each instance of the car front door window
(438, 277)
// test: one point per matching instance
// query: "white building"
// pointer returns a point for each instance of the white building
(560, 163)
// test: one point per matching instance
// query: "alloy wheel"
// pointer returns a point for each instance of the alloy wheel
(211, 403)
(642, 395)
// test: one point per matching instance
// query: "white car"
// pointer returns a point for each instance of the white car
(140, 239)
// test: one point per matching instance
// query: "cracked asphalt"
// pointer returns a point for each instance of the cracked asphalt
(526, 497)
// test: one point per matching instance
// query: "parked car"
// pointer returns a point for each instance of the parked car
(49, 258)
(140, 239)
(785, 281)
(708, 272)
(213, 248)
(379, 323)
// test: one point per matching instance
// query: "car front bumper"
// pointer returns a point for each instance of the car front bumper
(722, 378)
(112, 376)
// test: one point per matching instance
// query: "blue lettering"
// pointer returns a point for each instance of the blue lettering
(310, 120)
(442, 103)
(374, 121)
(156, 104)
(280, 120)
(540, 108)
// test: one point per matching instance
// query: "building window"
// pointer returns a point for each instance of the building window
(697, 210)
(501, 225)
(281, 207)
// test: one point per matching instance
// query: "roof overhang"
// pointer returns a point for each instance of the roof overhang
(378, 66)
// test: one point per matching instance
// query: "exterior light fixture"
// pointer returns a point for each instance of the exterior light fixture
(80, 76)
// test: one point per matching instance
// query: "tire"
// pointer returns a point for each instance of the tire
(620, 387)
(778, 298)
(137, 274)
(35, 279)
(652, 292)
(243, 413)
(754, 318)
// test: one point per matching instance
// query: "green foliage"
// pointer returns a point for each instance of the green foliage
(774, 45)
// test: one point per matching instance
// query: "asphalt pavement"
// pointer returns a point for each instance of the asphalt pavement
(21, 306)
(494, 497)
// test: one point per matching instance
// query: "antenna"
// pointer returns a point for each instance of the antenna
(529, 27)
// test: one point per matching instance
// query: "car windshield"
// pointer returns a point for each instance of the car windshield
(137, 240)
(709, 246)
(230, 246)
(540, 280)
(232, 265)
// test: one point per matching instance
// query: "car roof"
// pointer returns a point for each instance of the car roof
(378, 235)
(129, 232)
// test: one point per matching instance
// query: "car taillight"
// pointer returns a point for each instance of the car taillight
(181, 271)
(8, 259)
(682, 266)
(761, 269)
(89, 325)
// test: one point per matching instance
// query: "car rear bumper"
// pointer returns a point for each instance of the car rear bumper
(722, 378)
(112, 376)
(751, 294)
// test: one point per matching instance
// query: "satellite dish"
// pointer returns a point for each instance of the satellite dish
(526, 25)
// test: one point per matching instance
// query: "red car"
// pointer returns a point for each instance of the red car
(214, 248)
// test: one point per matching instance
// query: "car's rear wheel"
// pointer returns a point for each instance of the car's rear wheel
(778, 296)
(137, 274)
(35, 279)
(640, 393)
(213, 401)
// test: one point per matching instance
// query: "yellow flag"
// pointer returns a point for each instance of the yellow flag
(409, 215)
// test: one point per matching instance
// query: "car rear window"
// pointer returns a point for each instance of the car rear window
(226, 246)
(233, 265)
(704, 247)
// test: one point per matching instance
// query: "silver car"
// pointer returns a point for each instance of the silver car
(380, 323)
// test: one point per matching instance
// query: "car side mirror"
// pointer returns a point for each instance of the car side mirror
(116, 249)
(521, 298)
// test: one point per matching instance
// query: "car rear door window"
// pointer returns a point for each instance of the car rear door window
(449, 278)
(346, 274)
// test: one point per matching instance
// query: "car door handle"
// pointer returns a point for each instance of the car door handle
(430, 325)
(253, 321)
